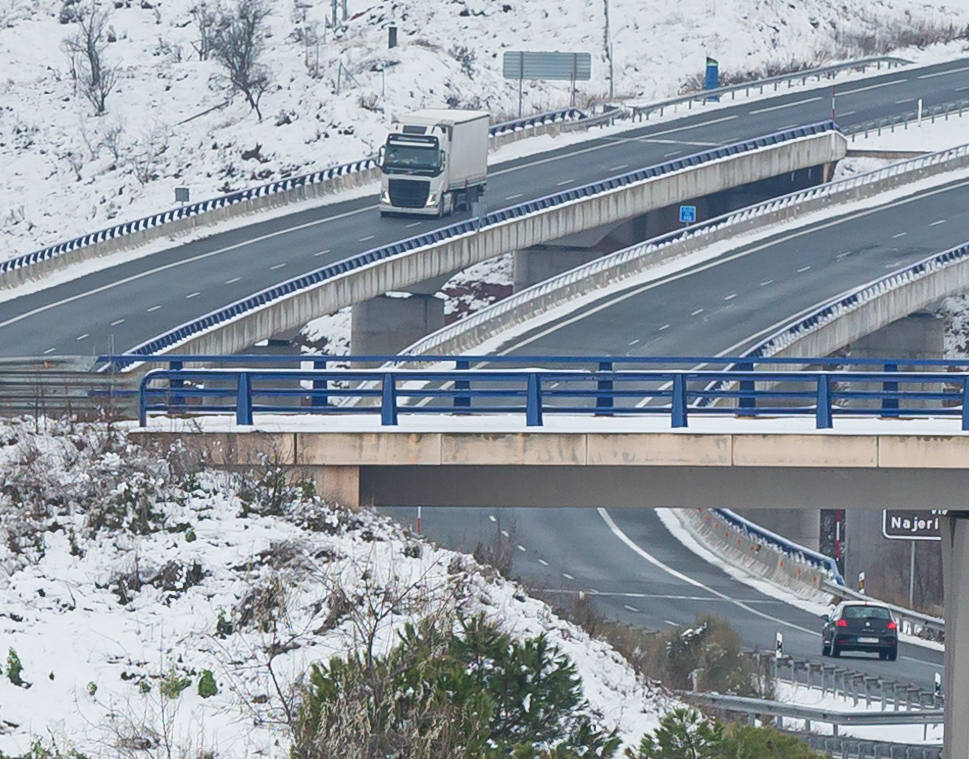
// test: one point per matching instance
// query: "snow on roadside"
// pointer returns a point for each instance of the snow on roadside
(101, 617)
(334, 91)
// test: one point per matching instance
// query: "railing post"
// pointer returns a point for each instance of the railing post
(533, 405)
(747, 399)
(462, 400)
(890, 405)
(143, 405)
(320, 397)
(604, 403)
(243, 399)
(823, 413)
(388, 403)
(965, 403)
(176, 384)
(679, 401)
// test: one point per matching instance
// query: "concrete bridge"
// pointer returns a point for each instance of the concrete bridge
(912, 464)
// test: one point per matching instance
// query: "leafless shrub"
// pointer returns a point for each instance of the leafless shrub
(237, 44)
(145, 156)
(205, 16)
(93, 75)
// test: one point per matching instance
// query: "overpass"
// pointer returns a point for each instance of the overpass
(620, 439)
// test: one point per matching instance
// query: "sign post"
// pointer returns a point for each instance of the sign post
(529, 64)
(912, 525)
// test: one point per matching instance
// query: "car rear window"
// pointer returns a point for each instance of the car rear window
(866, 612)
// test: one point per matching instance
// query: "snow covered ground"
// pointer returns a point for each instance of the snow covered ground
(116, 570)
(333, 90)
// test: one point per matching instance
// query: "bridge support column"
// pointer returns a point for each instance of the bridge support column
(541, 262)
(338, 484)
(387, 324)
(955, 580)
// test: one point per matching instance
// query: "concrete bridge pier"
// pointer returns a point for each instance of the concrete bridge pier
(955, 574)
(392, 321)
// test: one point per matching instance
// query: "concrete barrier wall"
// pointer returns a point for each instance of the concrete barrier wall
(454, 254)
(752, 555)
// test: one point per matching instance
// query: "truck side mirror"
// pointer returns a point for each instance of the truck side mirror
(443, 158)
(380, 155)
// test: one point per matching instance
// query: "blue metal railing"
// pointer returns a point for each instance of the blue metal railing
(534, 392)
(469, 226)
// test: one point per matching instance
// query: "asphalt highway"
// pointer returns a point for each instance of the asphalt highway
(118, 308)
(718, 307)
(645, 577)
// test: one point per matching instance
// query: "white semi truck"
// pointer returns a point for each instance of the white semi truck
(435, 161)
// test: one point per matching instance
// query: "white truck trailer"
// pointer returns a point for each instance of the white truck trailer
(434, 162)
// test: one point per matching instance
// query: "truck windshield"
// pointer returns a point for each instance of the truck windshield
(412, 158)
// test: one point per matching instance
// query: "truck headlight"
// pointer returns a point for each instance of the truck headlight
(385, 196)
(432, 199)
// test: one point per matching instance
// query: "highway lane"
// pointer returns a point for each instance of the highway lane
(120, 307)
(657, 584)
(712, 308)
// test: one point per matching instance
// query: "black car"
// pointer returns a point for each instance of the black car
(857, 626)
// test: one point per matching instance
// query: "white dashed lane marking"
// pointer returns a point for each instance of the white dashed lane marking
(900, 234)
(368, 237)
(630, 608)
(516, 195)
(322, 252)
(233, 280)
(697, 312)
(786, 105)
(277, 266)
(936, 223)
(731, 296)
(567, 576)
(153, 308)
(81, 337)
(803, 269)
(767, 282)
(49, 350)
(665, 326)
(116, 322)
(521, 548)
(543, 562)
(192, 295)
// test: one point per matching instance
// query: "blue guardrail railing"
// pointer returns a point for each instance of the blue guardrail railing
(640, 387)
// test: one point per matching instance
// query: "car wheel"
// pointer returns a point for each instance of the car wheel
(892, 655)
(835, 651)
(824, 648)
(883, 654)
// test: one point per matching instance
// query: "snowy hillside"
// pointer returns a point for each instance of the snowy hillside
(332, 92)
(125, 576)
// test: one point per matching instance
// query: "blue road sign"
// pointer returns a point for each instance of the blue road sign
(687, 214)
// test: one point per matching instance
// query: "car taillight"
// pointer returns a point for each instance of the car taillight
(891, 625)
(842, 623)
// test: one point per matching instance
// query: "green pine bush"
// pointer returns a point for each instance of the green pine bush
(207, 686)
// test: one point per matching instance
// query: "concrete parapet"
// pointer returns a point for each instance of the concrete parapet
(752, 555)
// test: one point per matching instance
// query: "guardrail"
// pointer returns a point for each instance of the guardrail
(782, 544)
(843, 747)
(835, 718)
(330, 174)
(593, 276)
(955, 109)
(642, 111)
(847, 683)
(534, 393)
(470, 226)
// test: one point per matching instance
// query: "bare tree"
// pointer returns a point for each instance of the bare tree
(94, 75)
(206, 18)
(237, 44)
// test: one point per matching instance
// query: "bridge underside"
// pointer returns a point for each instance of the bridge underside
(659, 487)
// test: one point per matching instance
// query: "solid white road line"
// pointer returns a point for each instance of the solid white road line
(615, 529)
(785, 105)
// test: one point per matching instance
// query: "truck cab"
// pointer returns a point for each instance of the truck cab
(433, 162)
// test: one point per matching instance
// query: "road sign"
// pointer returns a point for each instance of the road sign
(533, 64)
(181, 195)
(687, 214)
(902, 524)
